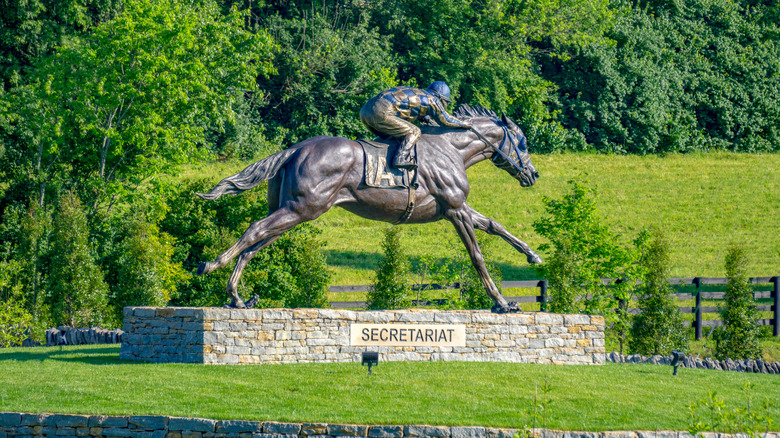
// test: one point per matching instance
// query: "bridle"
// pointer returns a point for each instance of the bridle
(518, 164)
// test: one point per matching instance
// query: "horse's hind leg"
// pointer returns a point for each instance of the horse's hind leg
(269, 228)
(235, 277)
(484, 223)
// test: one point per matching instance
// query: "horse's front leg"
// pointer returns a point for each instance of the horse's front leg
(484, 223)
(464, 225)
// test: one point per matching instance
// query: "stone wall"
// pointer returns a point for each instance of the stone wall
(82, 336)
(21, 425)
(227, 336)
(708, 363)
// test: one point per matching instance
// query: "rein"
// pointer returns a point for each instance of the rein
(500, 149)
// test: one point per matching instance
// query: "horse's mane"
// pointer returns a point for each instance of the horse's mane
(468, 111)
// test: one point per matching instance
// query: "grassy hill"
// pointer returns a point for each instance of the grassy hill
(704, 203)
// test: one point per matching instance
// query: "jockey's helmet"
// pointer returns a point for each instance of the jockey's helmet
(440, 90)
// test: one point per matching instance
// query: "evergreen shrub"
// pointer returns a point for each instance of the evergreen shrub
(391, 288)
(739, 338)
(77, 291)
(658, 329)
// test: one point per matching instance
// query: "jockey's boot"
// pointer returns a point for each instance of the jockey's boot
(405, 158)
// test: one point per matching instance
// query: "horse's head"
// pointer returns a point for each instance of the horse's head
(509, 148)
(512, 154)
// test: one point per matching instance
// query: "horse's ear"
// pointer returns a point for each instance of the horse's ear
(508, 122)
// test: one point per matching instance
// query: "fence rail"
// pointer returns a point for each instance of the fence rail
(698, 310)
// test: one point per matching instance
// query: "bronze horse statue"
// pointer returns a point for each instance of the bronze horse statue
(312, 176)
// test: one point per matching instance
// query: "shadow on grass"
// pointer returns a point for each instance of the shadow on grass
(353, 259)
(91, 356)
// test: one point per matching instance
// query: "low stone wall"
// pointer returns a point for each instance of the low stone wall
(739, 365)
(13, 425)
(82, 336)
(226, 336)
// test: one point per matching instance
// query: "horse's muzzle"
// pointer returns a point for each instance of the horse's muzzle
(528, 176)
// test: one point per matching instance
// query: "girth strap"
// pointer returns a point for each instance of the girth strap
(412, 191)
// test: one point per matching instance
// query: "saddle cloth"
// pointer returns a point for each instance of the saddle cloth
(378, 171)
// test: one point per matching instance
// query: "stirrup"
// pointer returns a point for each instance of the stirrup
(403, 163)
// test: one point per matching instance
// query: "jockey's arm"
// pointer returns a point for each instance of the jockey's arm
(445, 119)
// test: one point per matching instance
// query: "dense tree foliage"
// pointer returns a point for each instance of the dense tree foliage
(677, 77)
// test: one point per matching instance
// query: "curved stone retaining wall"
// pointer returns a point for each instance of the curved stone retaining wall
(21, 425)
(82, 336)
(225, 336)
(745, 365)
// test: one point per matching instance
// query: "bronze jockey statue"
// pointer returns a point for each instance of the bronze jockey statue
(391, 112)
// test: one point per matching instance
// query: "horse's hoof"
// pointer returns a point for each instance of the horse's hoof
(205, 268)
(509, 308)
(252, 301)
(534, 259)
(236, 304)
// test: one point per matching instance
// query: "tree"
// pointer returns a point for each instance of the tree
(676, 77)
(584, 251)
(658, 329)
(391, 288)
(15, 324)
(141, 272)
(329, 64)
(306, 262)
(739, 338)
(30, 29)
(486, 52)
(129, 100)
(77, 292)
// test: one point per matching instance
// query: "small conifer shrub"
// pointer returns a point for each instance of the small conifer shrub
(739, 338)
(392, 287)
(658, 329)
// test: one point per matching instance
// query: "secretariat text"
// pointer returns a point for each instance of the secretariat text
(441, 335)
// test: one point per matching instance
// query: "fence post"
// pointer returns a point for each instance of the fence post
(776, 330)
(697, 282)
(543, 291)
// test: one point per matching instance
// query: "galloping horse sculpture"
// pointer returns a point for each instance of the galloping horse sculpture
(312, 176)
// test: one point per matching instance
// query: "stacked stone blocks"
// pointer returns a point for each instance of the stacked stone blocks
(254, 336)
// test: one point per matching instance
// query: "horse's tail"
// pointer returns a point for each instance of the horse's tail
(250, 177)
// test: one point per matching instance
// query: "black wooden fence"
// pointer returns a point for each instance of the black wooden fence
(698, 294)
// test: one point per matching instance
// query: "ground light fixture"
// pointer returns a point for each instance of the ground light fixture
(370, 358)
(677, 358)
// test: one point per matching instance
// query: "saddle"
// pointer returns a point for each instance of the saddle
(377, 171)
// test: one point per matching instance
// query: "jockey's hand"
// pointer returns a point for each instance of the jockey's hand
(428, 121)
(466, 124)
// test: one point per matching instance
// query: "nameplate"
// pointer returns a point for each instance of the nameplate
(408, 335)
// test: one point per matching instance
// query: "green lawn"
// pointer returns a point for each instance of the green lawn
(704, 203)
(92, 380)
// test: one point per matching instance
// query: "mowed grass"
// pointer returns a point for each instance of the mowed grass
(92, 380)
